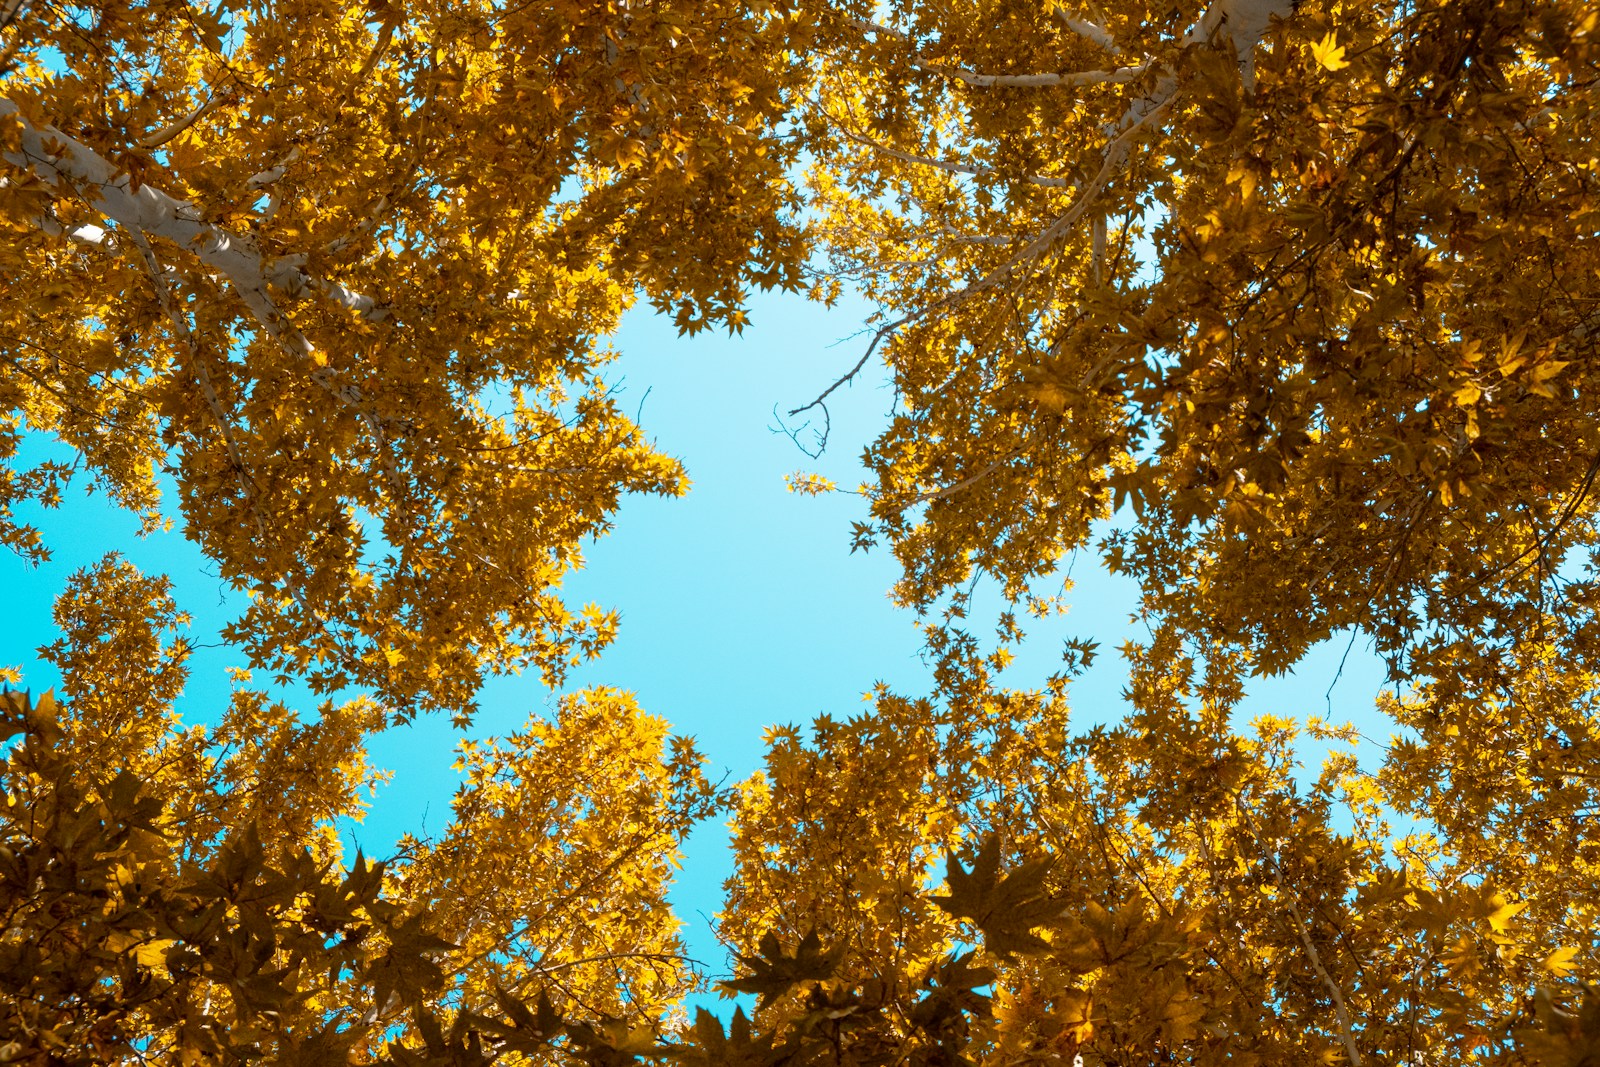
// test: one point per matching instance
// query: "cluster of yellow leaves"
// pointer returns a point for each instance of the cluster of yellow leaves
(553, 873)
(1172, 890)
(1309, 310)
(170, 890)
(354, 296)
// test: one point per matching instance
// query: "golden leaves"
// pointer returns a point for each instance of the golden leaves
(416, 240)
(1560, 962)
(809, 484)
(1319, 387)
(1329, 54)
(1308, 352)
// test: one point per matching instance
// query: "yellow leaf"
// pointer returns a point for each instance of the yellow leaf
(1468, 394)
(1501, 917)
(809, 484)
(1547, 370)
(1560, 962)
(1510, 353)
(1241, 175)
(1329, 53)
(153, 953)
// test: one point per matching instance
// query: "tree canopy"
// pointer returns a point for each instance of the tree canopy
(1286, 311)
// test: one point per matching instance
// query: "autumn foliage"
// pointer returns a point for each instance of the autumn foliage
(1287, 312)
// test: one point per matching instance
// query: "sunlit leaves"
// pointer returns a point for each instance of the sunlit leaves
(1308, 363)
(1286, 310)
(357, 311)
(1329, 54)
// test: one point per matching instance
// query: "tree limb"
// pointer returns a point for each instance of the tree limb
(1089, 31)
(1113, 156)
(1116, 76)
(1241, 22)
(1339, 1010)
(10, 12)
(73, 168)
(177, 126)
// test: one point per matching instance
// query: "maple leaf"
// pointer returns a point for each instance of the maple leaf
(774, 971)
(1329, 54)
(1008, 906)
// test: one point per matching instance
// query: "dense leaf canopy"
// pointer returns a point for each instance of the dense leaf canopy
(347, 275)
(1313, 298)
(1288, 312)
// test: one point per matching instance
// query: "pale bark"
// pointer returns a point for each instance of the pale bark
(1089, 31)
(71, 168)
(1118, 76)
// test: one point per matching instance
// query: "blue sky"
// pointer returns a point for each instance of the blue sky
(741, 603)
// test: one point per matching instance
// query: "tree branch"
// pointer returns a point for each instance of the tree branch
(1241, 22)
(10, 12)
(73, 168)
(1089, 31)
(177, 126)
(1113, 156)
(971, 479)
(1339, 1010)
(1116, 76)
(1346, 1036)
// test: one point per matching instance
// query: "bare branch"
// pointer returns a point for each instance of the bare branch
(177, 126)
(202, 374)
(1346, 1035)
(89, 234)
(1117, 76)
(1099, 254)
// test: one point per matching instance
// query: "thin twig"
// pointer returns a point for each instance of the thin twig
(1113, 156)
(1346, 1036)
(177, 126)
(971, 479)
